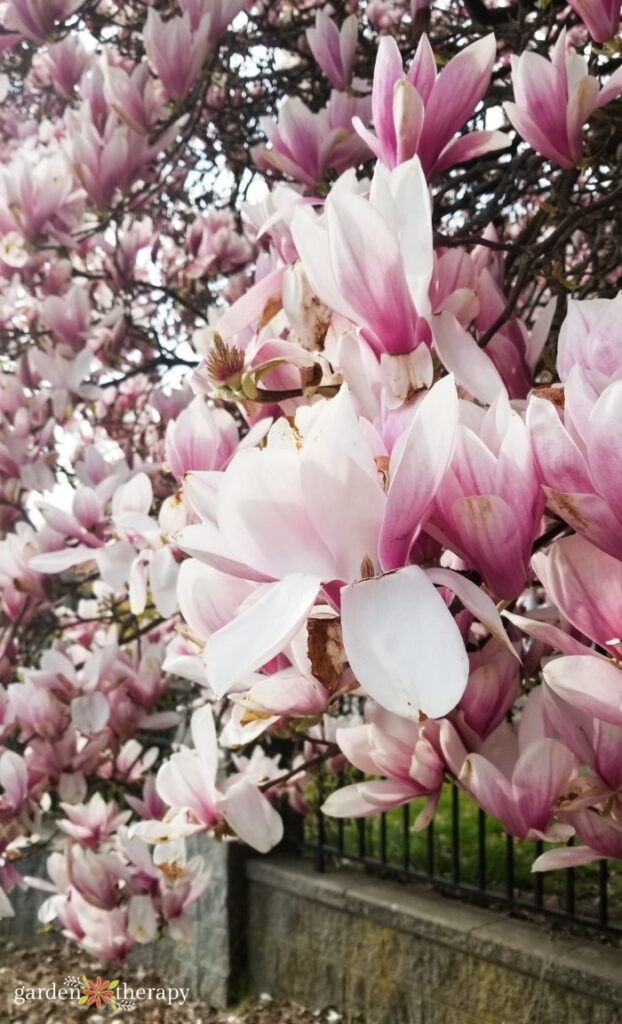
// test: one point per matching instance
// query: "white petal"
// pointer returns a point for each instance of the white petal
(403, 645)
(251, 816)
(59, 561)
(259, 632)
(90, 714)
(460, 354)
(163, 580)
(477, 601)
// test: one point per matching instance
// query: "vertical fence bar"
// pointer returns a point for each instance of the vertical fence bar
(539, 879)
(340, 823)
(383, 838)
(320, 859)
(340, 834)
(362, 844)
(455, 834)
(430, 850)
(509, 867)
(603, 893)
(481, 849)
(406, 836)
(569, 894)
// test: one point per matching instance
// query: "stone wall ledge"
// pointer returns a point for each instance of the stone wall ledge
(542, 957)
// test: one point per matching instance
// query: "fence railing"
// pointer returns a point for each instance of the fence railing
(466, 854)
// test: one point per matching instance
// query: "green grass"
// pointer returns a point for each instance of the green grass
(399, 835)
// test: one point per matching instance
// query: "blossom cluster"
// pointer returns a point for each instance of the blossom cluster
(287, 417)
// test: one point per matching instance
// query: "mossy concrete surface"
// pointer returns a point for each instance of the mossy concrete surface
(399, 955)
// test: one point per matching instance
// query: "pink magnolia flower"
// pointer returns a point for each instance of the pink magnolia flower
(109, 160)
(313, 531)
(583, 719)
(577, 464)
(334, 48)
(36, 710)
(601, 834)
(305, 145)
(65, 62)
(384, 14)
(152, 565)
(68, 317)
(221, 13)
(585, 584)
(411, 757)
(120, 260)
(519, 779)
(494, 679)
(187, 783)
(95, 876)
(420, 112)
(17, 579)
(600, 17)
(215, 246)
(150, 804)
(38, 196)
(133, 760)
(36, 18)
(14, 783)
(287, 689)
(82, 522)
(488, 506)
(135, 98)
(92, 822)
(61, 903)
(590, 338)
(201, 438)
(593, 685)
(106, 933)
(146, 684)
(514, 350)
(343, 250)
(176, 50)
(181, 882)
(554, 99)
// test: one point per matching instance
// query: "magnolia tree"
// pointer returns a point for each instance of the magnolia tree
(311, 389)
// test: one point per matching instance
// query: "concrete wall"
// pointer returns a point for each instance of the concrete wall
(399, 955)
(211, 965)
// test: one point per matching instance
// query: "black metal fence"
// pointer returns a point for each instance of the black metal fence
(465, 854)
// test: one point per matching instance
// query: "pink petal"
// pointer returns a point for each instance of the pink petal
(419, 462)
(590, 684)
(457, 91)
(367, 264)
(470, 146)
(542, 771)
(387, 72)
(565, 857)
